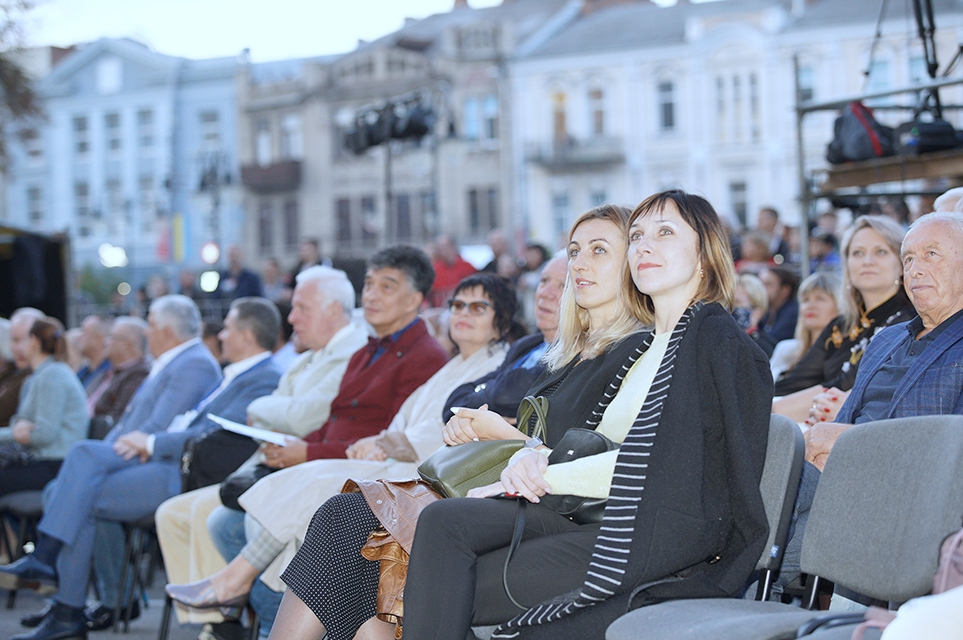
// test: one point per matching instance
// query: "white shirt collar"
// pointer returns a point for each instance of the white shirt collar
(165, 358)
(235, 369)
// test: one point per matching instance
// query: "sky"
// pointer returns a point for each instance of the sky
(272, 29)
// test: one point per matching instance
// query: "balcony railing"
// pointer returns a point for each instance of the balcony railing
(569, 153)
(279, 176)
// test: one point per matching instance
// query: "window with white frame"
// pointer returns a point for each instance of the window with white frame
(755, 126)
(666, 94)
(112, 132)
(35, 205)
(210, 121)
(598, 197)
(880, 80)
(806, 80)
(738, 200)
(596, 101)
(561, 212)
(262, 142)
(32, 145)
(265, 227)
(147, 197)
(82, 208)
(291, 141)
(145, 129)
(490, 117)
(471, 120)
(559, 117)
(81, 136)
(737, 114)
(721, 124)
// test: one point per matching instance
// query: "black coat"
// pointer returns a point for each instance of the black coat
(701, 496)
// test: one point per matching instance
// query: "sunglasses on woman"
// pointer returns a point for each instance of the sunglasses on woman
(474, 308)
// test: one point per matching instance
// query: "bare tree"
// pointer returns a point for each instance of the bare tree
(18, 102)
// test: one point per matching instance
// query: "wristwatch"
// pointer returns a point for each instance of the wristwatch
(533, 443)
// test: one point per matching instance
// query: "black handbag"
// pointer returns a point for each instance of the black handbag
(239, 482)
(578, 443)
(212, 457)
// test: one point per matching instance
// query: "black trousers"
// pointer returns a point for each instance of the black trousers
(32, 476)
(458, 555)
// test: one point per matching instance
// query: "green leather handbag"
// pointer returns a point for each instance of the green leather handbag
(453, 471)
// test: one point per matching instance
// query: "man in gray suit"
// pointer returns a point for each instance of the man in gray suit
(136, 468)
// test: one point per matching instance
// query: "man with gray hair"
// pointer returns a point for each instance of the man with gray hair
(321, 315)
(93, 346)
(126, 477)
(126, 351)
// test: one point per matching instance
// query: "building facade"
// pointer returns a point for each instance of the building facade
(456, 180)
(136, 159)
(632, 98)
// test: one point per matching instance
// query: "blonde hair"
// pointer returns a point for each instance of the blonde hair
(719, 283)
(819, 281)
(573, 337)
(755, 291)
(853, 302)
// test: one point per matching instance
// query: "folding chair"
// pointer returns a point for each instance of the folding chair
(891, 492)
(26, 507)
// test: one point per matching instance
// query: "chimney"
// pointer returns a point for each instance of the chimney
(460, 4)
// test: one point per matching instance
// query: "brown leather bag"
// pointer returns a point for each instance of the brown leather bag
(383, 548)
(397, 505)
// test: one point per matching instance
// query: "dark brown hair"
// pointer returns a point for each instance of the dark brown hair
(50, 334)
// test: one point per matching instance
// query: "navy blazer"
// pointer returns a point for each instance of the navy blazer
(933, 385)
(231, 403)
(176, 389)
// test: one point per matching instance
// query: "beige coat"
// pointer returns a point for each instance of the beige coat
(302, 401)
(284, 502)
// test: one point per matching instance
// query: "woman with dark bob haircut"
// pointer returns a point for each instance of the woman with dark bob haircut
(52, 413)
(280, 506)
(689, 415)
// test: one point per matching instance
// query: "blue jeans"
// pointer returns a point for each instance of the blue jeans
(226, 527)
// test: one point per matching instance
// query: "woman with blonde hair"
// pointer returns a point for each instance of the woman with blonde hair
(331, 588)
(690, 418)
(820, 299)
(816, 387)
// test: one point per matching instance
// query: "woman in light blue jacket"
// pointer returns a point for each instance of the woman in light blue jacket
(52, 413)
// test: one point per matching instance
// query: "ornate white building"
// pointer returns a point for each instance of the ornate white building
(632, 98)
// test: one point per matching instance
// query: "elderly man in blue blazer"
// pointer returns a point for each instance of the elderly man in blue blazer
(128, 475)
(912, 369)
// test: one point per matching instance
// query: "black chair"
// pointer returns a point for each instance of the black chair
(25, 508)
(141, 546)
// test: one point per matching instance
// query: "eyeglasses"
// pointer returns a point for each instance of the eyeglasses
(474, 308)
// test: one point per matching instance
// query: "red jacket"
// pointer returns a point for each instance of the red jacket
(370, 396)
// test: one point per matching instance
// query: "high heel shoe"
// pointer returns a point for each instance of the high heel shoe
(201, 595)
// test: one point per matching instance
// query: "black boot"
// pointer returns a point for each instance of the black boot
(62, 623)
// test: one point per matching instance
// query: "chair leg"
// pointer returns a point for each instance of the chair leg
(135, 584)
(255, 623)
(165, 627)
(123, 594)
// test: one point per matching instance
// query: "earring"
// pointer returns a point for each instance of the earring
(702, 273)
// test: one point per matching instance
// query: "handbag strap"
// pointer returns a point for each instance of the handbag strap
(516, 540)
(534, 406)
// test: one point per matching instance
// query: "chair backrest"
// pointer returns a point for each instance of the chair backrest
(780, 482)
(891, 492)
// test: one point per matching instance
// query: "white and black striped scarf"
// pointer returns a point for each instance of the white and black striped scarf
(614, 542)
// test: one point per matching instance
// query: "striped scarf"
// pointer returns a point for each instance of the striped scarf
(614, 542)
